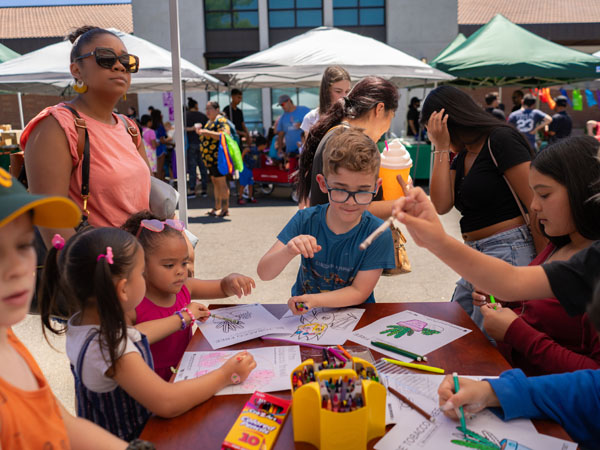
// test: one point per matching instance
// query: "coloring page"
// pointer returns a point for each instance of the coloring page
(245, 322)
(409, 331)
(323, 326)
(272, 372)
(415, 432)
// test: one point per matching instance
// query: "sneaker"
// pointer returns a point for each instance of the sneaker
(191, 196)
(252, 200)
(203, 194)
(241, 201)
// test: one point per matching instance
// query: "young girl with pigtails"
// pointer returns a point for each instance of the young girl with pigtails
(99, 274)
(168, 288)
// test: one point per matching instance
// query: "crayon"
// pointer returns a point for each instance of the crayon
(337, 354)
(300, 306)
(345, 353)
(493, 300)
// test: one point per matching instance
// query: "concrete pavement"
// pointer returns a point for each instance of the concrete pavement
(235, 244)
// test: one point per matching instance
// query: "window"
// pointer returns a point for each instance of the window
(358, 13)
(228, 14)
(251, 106)
(295, 13)
(308, 97)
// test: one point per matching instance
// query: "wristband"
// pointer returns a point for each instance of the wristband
(192, 317)
(183, 322)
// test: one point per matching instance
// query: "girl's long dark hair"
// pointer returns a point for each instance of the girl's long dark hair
(75, 279)
(573, 162)
(332, 74)
(157, 120)
(467, 121)
(363, 97)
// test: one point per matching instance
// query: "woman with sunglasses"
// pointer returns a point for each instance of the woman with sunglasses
(119, 174)
(210, 135)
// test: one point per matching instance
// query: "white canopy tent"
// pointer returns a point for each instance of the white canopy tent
(301, 60)
(46, 71)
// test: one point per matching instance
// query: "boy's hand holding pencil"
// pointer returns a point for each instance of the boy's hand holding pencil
(473, 396)
(304, 244)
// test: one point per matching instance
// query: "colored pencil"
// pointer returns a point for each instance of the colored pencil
(406, 353)
(409, 403)
(337, 354)
(346, 354)
(224, 318)
(414, 366)
(461, 416)
(303, 344)
(493, 300)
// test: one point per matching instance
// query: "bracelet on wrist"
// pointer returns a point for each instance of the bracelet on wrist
(183, 322)
(192, 317)
(441, 152)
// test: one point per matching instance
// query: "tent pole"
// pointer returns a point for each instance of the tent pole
(419, 138)
(178, 106)
(431, 155)
(21, 110)
(499, 94)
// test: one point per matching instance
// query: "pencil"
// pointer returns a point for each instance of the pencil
(406, 353)
(493, 300)
(375, 234)
(414, 366)
(224, 318)
(303, 344)
(461, 416)
(411, 404)
(346, 354)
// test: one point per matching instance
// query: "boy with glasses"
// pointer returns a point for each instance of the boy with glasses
(334, 272)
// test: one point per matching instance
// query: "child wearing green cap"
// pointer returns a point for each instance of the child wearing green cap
(30, 415)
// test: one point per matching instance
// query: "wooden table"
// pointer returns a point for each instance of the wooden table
(206, 425)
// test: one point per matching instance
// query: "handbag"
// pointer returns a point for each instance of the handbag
(400, 254)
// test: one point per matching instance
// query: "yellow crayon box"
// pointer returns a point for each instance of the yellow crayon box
(258, 424)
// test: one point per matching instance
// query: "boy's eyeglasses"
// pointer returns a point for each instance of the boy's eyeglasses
(341, 195)
(158, 225)
(107, 58)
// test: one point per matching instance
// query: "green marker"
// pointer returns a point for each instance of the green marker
(493, 300)
(463, 425)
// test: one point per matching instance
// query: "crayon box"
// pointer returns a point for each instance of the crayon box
(259, 423)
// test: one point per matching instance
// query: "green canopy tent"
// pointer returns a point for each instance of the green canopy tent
(458, 40)
(502, 53)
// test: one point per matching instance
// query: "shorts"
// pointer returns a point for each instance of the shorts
(213, 171)
(246, 178)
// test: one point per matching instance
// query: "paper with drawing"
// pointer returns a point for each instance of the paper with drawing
(410, 331)
(323, 326)
(272, 372)
(414, 431)
(251, 321)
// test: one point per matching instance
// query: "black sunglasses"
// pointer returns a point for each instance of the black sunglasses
(107, 58)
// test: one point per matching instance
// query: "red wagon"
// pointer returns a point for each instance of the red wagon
(269, 174)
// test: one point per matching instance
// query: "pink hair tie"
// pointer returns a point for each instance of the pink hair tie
(58, 242)
(108, 256)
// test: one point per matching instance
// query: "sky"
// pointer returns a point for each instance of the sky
(15, 3)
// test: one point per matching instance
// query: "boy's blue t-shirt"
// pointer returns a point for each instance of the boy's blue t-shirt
(290, 123)
(340, 259)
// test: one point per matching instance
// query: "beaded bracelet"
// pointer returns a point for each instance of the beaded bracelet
(192, 317)
(183, 322)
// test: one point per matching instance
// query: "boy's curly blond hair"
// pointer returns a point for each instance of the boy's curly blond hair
(353, 150)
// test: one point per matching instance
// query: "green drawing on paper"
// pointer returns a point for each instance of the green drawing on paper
(408, 328)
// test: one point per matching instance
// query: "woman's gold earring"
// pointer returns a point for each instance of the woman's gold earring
(79, 87)
(125, 96)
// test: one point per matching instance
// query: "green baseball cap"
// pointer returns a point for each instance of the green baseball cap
(51, 212)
